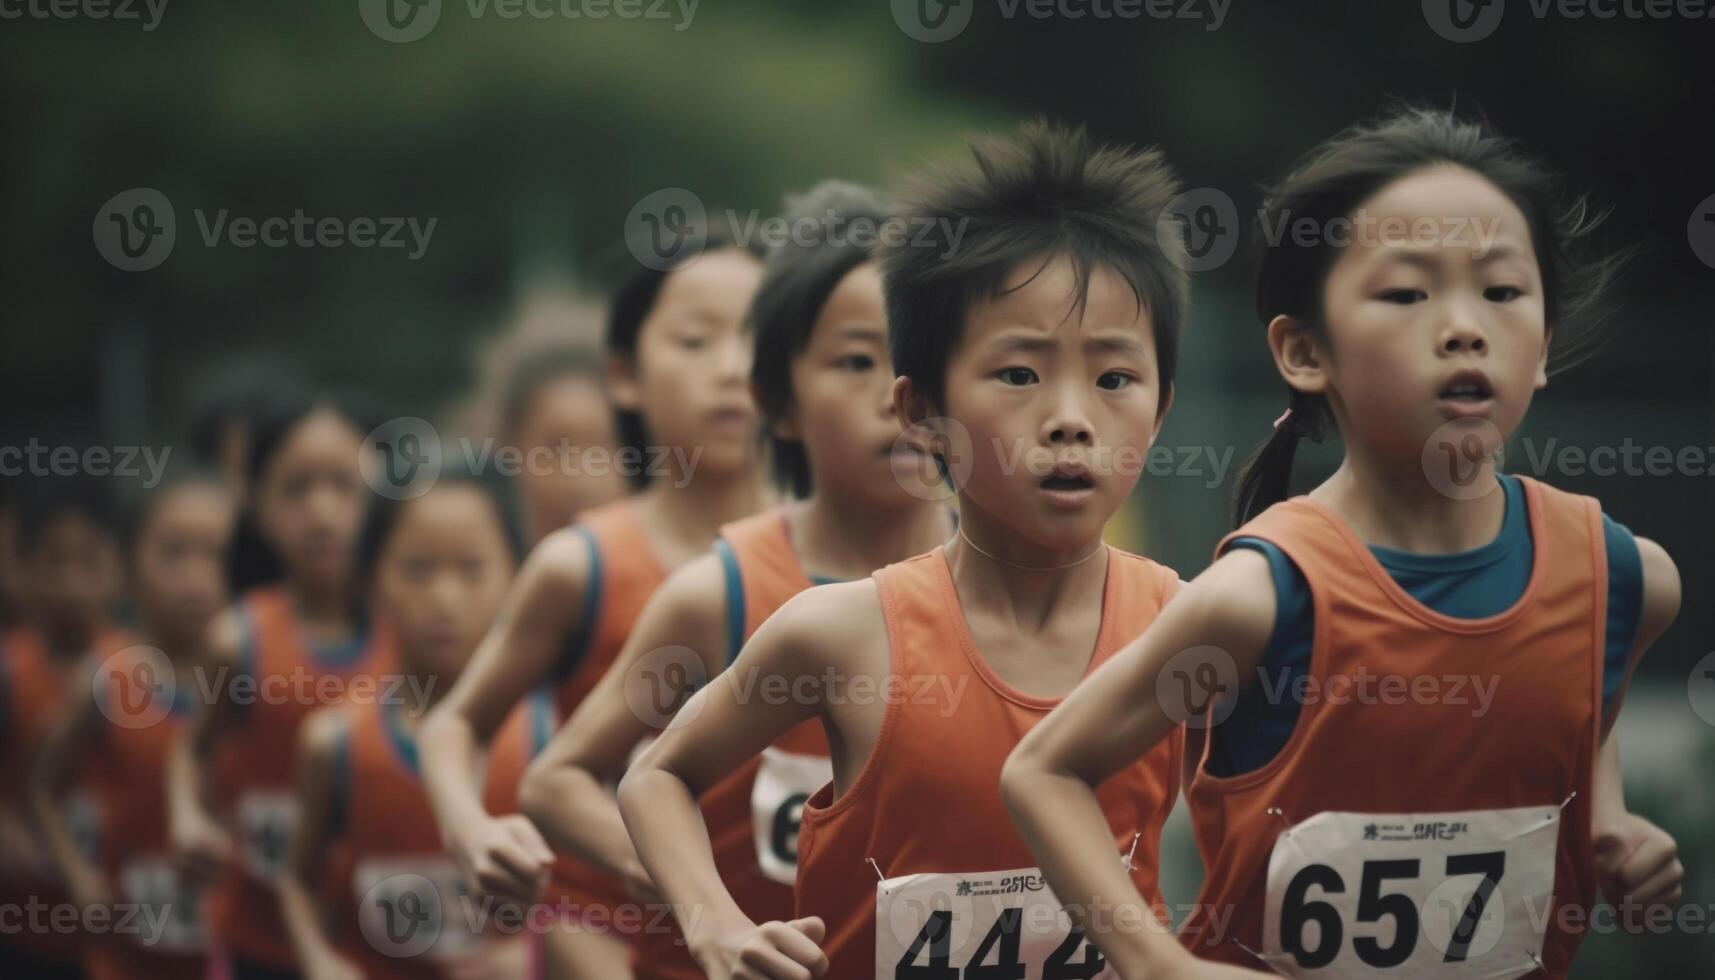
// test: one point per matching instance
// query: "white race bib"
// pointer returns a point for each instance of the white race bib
(1412, 895)
(414, 905)
(930, 926)
(153, 884)
(266, 821)
(784, 783)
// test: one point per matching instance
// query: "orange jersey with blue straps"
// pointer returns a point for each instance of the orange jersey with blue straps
(623, 573)
(400, 906)
(280, 679)
(1415, 830)
(752, 815)
(926, 807)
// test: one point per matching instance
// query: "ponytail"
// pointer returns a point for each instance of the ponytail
(1267, 476)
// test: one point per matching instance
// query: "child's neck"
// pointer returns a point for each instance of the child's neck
(319, 601)
(846, 539)
(685, 515)
(1394, 506)
(1027, 584)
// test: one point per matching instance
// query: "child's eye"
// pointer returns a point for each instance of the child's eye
(1404, 297)
(1017, 375)
(693, 343)
(855, 362)
(1502, 294)
(1114, 381)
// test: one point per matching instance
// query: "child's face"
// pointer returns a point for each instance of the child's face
(441, 575)
(310, 497)
(1448, 327)
(690, 378)
(74, 576)
(179, 578)
(1061, 402)
(568, 417)
(842, 399)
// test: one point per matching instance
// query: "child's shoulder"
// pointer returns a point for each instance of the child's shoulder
(829, 625)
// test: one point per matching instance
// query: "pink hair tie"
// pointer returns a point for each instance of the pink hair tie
(1283, 417)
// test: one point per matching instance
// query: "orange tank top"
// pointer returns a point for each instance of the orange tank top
(927, 802)
(623, 573)
(280, 679)
(400, 905)
(123, 772)
(33, 687)
(1383, 811)
(753, 829)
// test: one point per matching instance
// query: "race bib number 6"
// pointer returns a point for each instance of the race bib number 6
(1412, 895)
(998, 925)
(784, 783)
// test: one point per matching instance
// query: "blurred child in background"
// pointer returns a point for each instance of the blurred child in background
(554, 413)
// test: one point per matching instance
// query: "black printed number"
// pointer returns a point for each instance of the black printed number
(1299, 910)
(1000, 945)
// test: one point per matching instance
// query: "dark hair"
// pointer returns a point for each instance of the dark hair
(1042, 192)
(801, 274)
(235, 391)
(140, 507)
(42, 500)
(538, 371)
(383, 513)
(1347, 170)
(250, 559)
(636, 287)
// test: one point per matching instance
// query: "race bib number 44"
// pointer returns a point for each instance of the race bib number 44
(154, 884)
(998, 925)
(784, 783)
(1412, 895)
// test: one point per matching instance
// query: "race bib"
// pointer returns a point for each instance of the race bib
(414, 906)
(266, 822)
(1412, 895)
(154, 885)
(994, 924)
(784, 783)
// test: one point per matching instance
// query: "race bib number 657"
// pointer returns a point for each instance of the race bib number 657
(1412, 895)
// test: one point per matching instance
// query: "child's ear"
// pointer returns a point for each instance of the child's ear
(1298, 354)
(786, 427)
(1161, 413)
(622, 382)
(1542, 361)
(908, 402)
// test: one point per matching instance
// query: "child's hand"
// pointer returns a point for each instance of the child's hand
(332, 967)
(502, 857)
(771, 951)
(1638, 866)
(201, 845)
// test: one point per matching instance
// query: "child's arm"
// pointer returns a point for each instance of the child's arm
(565, 789)
(200, 840)
(318, 741)
(501, 857)
(721, 727)
(1637, 861)
(79, 721)
(1108, 722)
